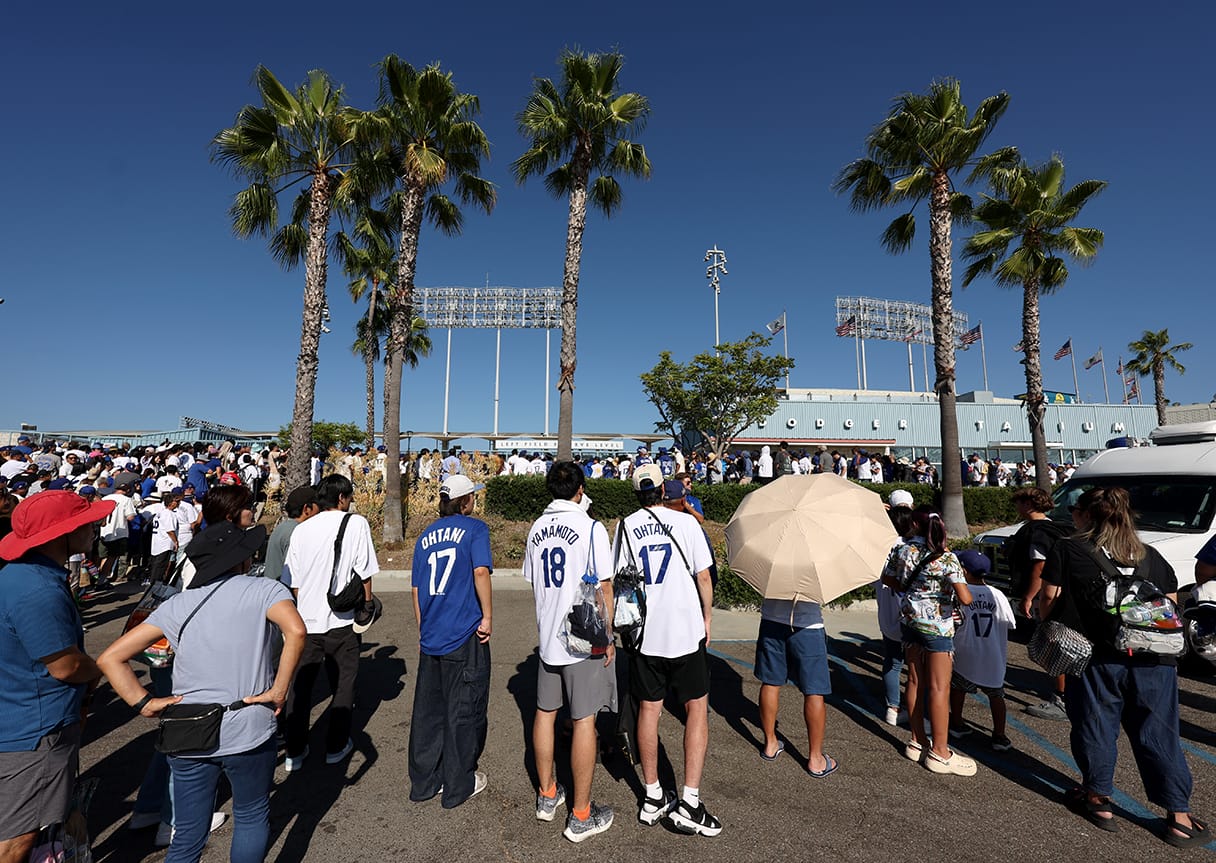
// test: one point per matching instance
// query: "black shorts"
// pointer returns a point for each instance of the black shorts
(651, 677)
(114, 547)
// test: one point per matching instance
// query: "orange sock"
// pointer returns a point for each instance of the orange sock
(551, 793)
(583, 814)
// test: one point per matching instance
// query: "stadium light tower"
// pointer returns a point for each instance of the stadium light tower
(717, 259)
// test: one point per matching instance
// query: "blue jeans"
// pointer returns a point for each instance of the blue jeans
(1144, 698)
(892, 667)
(251, 775)
(156, 792)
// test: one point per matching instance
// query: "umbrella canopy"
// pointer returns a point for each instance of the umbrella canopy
(809, 537)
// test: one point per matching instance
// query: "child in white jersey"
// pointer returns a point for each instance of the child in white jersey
(981, 646)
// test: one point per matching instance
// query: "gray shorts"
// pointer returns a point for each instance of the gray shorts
(38, 784)
(589, 684)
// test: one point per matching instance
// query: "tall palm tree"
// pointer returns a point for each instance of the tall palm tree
(426, 138)
(1153, 353)
(578, 127)
(292, 138)
(370, 333)
(914, 154)
(1029, 208)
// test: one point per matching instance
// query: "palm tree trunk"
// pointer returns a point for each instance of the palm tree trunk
(310, 331)
(1036, 404)
(369, 358)
(568, 358)
(940, 262)
(402, 316)
(1159, 388)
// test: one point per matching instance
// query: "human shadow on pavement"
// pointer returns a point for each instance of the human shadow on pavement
(728, 700)
(302, 799)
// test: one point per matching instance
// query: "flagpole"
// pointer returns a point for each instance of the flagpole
(1122, 379)
(924, 359)
(1105, 383)
(857, 352)
(865, 384)
(785, 336)
(1072, 355)
(983, 355)
(911, 369)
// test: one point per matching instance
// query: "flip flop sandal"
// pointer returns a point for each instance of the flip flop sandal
(831, 768)
(1197, 834)
(774, 756)
(1078, 801)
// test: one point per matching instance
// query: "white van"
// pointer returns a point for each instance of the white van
(1172, 485)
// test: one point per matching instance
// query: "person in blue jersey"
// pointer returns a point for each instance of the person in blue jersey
(667, 463)
(452, 604)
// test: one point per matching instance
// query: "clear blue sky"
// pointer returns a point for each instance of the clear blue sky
(129, 301)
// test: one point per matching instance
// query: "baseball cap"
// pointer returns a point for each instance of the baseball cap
(367, 613)
(86, 490)
(458, 485)
(647, 477)
(901, 497)
(975, 562)
(673, 489)
(59, 484)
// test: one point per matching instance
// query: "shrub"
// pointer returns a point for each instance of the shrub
(989, 505)
(517, 498)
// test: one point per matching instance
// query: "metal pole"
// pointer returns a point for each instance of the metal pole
(1105, 382)
(547, 332)
(924, 361)
(785, 335)
(1122, 378)
(497, 356)
(717, 264)
(717, 337)
(857, 351)
(1073, 356)
(983, 356)
(911, 369)
(447, 382)
(865, 384)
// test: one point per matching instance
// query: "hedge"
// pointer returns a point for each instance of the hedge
(523, 498)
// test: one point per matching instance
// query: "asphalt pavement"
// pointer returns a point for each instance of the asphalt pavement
(876, 807)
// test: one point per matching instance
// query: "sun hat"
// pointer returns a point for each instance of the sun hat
(901, 497)
(220, 548)
(458, 485)
(368, 612)
(49, 515)
(647, 477)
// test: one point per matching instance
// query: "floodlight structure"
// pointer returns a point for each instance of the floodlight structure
(717, 266)
(490, 308)
(890, 321)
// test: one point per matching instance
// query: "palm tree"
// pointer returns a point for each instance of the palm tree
(578, 128)
(425, 137)
(912, 155)
(1029, 208)
(1153, 353)
(370, 333)
(301, 137)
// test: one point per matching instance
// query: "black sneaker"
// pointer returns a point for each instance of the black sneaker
(686, 819)
(653, 809)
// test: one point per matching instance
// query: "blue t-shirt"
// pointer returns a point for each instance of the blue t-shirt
(695, 502)
(445, 556)
(37, 618)
(667, 464)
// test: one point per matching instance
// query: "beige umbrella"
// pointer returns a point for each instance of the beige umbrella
(809, 537)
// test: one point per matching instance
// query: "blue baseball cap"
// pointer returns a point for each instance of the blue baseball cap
(975, 562)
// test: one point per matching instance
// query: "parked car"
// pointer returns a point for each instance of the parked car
(1172, 484)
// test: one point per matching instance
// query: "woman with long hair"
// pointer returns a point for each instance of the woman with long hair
(1138, 691)
(930, 578)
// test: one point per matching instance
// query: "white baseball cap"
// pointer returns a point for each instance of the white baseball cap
(458, 485)
(648, 476)
(901, 497)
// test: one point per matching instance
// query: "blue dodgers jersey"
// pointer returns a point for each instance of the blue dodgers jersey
(445, 556)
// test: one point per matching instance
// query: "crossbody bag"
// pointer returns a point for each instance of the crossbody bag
(351, 595)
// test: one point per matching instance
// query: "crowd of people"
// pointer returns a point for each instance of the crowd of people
(239, 688)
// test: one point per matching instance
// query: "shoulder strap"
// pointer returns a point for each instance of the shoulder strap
(621, 532)
(667, 530)
(920, 566)
(198, 608)
(338, 548)
(1109, 569)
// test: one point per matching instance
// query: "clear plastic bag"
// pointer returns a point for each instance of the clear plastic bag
(586, 631)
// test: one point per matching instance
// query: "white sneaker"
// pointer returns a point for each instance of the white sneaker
(479, 783)
(140, 820)
(335, 757)
(164, 833)
(291, 765)
(958, 765)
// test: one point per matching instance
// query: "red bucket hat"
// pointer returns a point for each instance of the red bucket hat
(49, 515)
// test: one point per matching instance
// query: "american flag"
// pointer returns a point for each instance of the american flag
(1065, 350)
(972, 335)
(1119, 368)
(848, 327)
(1133, 390)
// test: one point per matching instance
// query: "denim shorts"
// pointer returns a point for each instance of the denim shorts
(925, 641)
(797, 655)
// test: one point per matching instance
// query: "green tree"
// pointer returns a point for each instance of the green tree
(578, 127)
(914, 154)
(292, 138)
(719, 393)
(1153, 353)
(425, 138)
(325, 436)
(1030, 212)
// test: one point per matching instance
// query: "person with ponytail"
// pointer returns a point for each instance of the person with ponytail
(1138, 691)
(931, 580)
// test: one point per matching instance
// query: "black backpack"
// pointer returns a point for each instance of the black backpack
(1042, 530)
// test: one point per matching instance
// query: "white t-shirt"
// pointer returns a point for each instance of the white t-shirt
(538, 467)
(163, 521)
(675, 622)
(168, 482)
(310, 562)
(116, 525)
(14, 468)
(187, 515)
(561, 546)
(981, 643)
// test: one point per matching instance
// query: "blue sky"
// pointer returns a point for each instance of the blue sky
(130, 302)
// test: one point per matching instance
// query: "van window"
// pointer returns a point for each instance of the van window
(1168, 504)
